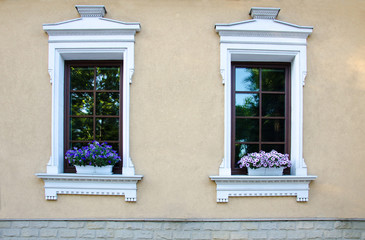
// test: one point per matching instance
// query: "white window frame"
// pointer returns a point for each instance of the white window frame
(91, 37)
(265, 39)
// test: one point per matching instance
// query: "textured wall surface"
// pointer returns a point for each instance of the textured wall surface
(176, 114)
(339, 229)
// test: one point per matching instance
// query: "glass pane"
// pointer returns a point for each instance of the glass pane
(273, 130)
(107, 78)
(81, 129)
(81, 104)
(247, 104)
(78, 145)
(242, 149)
(268, 147)
(107, 103)
(82, 78)
(273, 79)
(107, 129)
(247, 79)
(273, 105)
(247, 130)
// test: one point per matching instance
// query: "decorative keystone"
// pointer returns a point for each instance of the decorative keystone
(91, 10)
(264, 13)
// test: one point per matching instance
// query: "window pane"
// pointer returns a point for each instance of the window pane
(273, 105)
(242, 149)
(247, 104)
(78, 144)
(273, 79)
(107, 78)
(247, 79)
(247, 130)
(107, 129)
(273, 130)
(81, 129)
(268, 147)
(82, 78)
(81, 103)
(107, 103)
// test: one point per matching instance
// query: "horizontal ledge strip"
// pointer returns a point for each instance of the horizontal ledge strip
(187, 219)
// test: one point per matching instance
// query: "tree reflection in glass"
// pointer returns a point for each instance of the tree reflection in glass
(247, 79)
(107, 78)
(273, 130)
(82, 78)
(94, 104)
(247, 104)
(247, 130)
(82, 103)
(273, 79)
(107, 103)
(81, 129)
(107, 129)
(273, 105)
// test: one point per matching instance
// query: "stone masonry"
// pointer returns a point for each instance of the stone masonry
(178, 229)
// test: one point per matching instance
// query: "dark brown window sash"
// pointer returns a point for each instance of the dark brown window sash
(68, 64)
(286, 143)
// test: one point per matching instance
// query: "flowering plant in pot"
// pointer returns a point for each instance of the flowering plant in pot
(265, 163)
(95, 158)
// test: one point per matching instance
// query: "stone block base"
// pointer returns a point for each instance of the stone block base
(183, 229)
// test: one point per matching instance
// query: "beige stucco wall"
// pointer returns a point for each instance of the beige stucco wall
(177, 110)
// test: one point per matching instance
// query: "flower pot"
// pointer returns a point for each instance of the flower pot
(265, 171)
(105, 170)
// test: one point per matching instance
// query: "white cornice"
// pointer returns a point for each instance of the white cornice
(91, 26)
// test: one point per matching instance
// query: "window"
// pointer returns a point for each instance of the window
(260, 110)
(267, 116)
(88, 57)
(93, 96)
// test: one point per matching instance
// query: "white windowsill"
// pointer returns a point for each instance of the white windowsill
(251, 186)
(82, 184)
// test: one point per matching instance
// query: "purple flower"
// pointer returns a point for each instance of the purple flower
(94, 154)
(271, 159)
